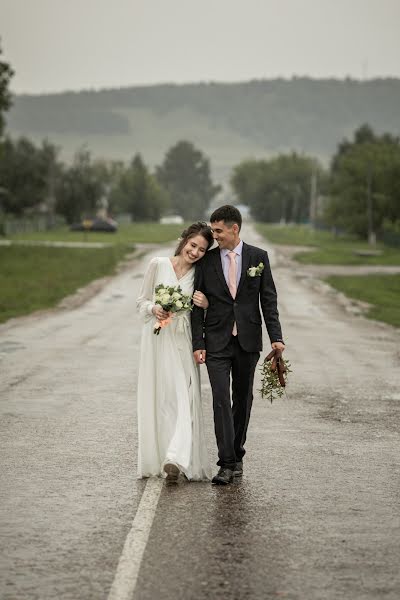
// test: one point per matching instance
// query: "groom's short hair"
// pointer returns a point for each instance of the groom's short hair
(227, 213)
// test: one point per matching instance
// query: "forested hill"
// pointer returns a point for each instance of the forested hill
(229, 122)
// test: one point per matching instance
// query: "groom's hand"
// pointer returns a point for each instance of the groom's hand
(278, 346)
(199, 356)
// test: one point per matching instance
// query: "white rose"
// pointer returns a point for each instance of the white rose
(252, 271)
(162, 291)
(165, 298)
(176, 296)
(179, 304)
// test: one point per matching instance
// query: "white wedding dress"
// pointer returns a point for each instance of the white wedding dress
(170, 418)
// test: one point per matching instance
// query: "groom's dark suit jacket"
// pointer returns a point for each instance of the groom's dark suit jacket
(214, 333)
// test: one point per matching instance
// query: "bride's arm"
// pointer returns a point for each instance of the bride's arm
(144, 302)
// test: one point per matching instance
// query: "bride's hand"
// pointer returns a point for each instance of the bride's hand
(200, 300)
(159, 313)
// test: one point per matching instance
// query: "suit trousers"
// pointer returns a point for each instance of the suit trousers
(231, 418)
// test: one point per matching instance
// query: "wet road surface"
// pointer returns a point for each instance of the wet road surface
(317, 512)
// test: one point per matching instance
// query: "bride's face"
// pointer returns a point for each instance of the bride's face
(194, 249)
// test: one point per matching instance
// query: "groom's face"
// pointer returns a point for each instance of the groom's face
(225, 234)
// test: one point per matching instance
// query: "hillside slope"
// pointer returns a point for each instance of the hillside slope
(227, 121)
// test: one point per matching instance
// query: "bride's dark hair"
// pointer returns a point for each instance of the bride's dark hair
(198, 228)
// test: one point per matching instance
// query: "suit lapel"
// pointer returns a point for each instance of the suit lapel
(220, 273)
(245, 265)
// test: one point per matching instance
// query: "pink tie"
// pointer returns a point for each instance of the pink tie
(232, 281)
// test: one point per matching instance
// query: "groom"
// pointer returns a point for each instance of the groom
(237, 280)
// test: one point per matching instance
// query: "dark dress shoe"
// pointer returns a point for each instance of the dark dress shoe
(172, 472)
(238, 470)
(223, 477)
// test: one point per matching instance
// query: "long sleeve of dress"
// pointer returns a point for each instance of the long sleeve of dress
(197, 315)
(145, 300)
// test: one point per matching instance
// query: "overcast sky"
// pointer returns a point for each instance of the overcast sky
(55, 45)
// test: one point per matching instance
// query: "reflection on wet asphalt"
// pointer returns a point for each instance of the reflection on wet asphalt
(8, 346)
(210, 542)
(316, 516)
(298, 525)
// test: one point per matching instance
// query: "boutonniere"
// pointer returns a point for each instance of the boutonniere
(255, 271)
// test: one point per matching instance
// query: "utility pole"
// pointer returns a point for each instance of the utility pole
(313, 198)
(50, 199)
(371, 233)
(3, 192)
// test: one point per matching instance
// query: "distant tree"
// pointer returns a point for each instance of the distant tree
(138, 193)
(185, 174)
(79, 189)
(108, 174)
(277, 189)
(26, 174)
(245, 179)
(6, 74)
(369, 164)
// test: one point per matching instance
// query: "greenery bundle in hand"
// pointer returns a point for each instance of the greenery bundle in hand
(274, 371)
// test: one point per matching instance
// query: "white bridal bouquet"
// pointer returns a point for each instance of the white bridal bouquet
(172, 300)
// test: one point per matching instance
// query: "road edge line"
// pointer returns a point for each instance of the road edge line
(123, 586)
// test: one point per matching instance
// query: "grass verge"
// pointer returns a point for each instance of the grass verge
(329, 250)
(382, 291)
(33, 278)
(127, 234)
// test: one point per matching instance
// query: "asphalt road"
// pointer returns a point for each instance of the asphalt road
(316, 515)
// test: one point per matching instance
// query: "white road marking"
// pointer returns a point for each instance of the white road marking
(125, 579)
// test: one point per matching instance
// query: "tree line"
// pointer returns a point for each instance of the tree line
(34, 179)
(359, 193)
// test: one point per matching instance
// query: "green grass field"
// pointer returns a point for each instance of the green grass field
(382, 291)
(34, 277)
(328, 249)
(293, 235)
(127, 234)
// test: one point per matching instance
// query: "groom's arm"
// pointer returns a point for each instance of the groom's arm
(269, 303)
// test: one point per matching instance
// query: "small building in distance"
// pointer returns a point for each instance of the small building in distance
(171, 220)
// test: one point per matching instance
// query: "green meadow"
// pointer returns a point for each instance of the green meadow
(381, 291)
(38, 277)
(133, 233)
(328, 249)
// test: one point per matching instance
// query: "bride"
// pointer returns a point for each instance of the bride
(170, 420)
